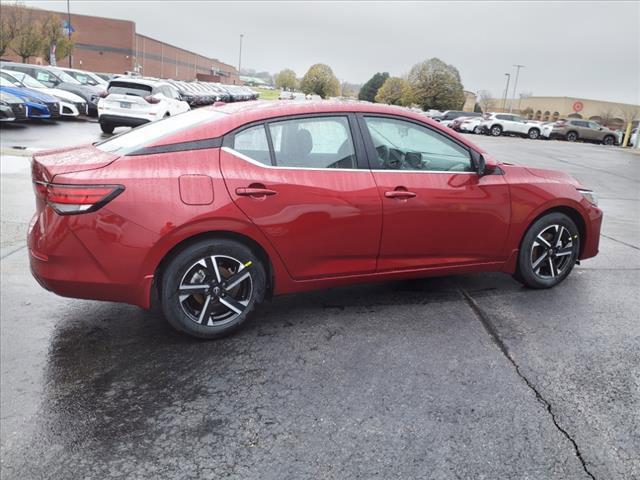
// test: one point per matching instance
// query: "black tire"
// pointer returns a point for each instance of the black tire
(496, 130)
(189, 314)
(533, 134)
(107, 128)
(571, 136)
(541, 263)
(609, 140)
(475, 130)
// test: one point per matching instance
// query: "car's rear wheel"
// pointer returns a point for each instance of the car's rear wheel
(107, 128)
(571, 136)
(609, 140)
(548, 252)
(212, 287)
(496, 130)
(534, 133)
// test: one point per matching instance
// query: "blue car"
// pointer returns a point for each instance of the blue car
(39, 105)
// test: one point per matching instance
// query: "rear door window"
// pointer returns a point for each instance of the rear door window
(253, 143)
(319, 142)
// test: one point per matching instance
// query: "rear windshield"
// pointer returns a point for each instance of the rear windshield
(151, 133)
(129, 88)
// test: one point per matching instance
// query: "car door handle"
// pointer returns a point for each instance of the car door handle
(401, 194)
(254, 192)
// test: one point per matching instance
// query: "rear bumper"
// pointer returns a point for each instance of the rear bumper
(64, 259)
(122, 121)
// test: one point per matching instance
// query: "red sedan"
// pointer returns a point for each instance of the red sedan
(210, 211)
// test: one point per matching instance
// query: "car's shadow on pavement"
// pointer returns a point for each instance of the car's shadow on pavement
(122, 387)
(112, 361)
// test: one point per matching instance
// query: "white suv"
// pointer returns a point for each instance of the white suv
(498, 123)
(130, 102)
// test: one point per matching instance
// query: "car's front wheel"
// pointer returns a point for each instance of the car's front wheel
(496, 130)
(534, 133)
(211, 288)
(609, 140)
(548, 252)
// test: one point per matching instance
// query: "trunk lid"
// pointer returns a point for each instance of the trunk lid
(49, 163)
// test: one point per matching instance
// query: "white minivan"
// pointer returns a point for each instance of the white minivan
(129, 102)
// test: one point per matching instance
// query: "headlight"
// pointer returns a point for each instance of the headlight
(590, 196)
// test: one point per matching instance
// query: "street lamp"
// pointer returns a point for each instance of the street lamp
(240, 55)
(515, 85)
(69, 32)
(506, 92)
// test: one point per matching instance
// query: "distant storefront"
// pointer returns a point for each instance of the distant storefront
(553, 108)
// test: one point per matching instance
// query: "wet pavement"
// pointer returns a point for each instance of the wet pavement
(456, 377)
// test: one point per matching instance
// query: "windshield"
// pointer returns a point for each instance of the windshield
(150, 133)
(27, 80)
(64, 76)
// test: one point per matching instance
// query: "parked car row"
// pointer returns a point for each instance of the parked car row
(47, 92)
(206, 93)
(498, 123)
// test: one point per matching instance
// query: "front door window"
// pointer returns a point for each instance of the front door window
(402, 145)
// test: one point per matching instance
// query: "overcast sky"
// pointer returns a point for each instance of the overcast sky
(582, 49)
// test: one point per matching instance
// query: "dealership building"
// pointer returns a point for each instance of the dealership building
(114, 46)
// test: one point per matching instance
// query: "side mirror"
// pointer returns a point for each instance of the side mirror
(477, 160)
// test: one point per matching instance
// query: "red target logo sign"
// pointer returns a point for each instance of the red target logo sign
(578, 106)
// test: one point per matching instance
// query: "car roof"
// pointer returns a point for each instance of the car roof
(241, 113)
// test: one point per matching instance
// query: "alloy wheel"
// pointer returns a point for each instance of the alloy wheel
(552, 251)
(215, 290)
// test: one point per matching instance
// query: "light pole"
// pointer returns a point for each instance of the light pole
(515, 85)
(69, 31)
(506, 92)
(240, 56)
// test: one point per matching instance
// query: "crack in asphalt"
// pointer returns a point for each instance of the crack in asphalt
(620, 241)
(495, 336)
(13, 251)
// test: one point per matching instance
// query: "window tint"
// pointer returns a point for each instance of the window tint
(322, 142)
(402, 145)
(503, 117)
(253, 143)
(594, 125)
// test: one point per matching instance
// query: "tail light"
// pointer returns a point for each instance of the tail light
(104, 94)
(152, 99)
(75, 199)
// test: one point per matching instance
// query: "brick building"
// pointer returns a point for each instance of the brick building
(114, 46)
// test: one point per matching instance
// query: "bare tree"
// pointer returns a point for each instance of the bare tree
(27, 32)
(606, 115)
(630, 113)
(486, 100)
(9, 25)
(53, 34)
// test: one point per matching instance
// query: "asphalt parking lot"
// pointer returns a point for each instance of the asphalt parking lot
(456, 377)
